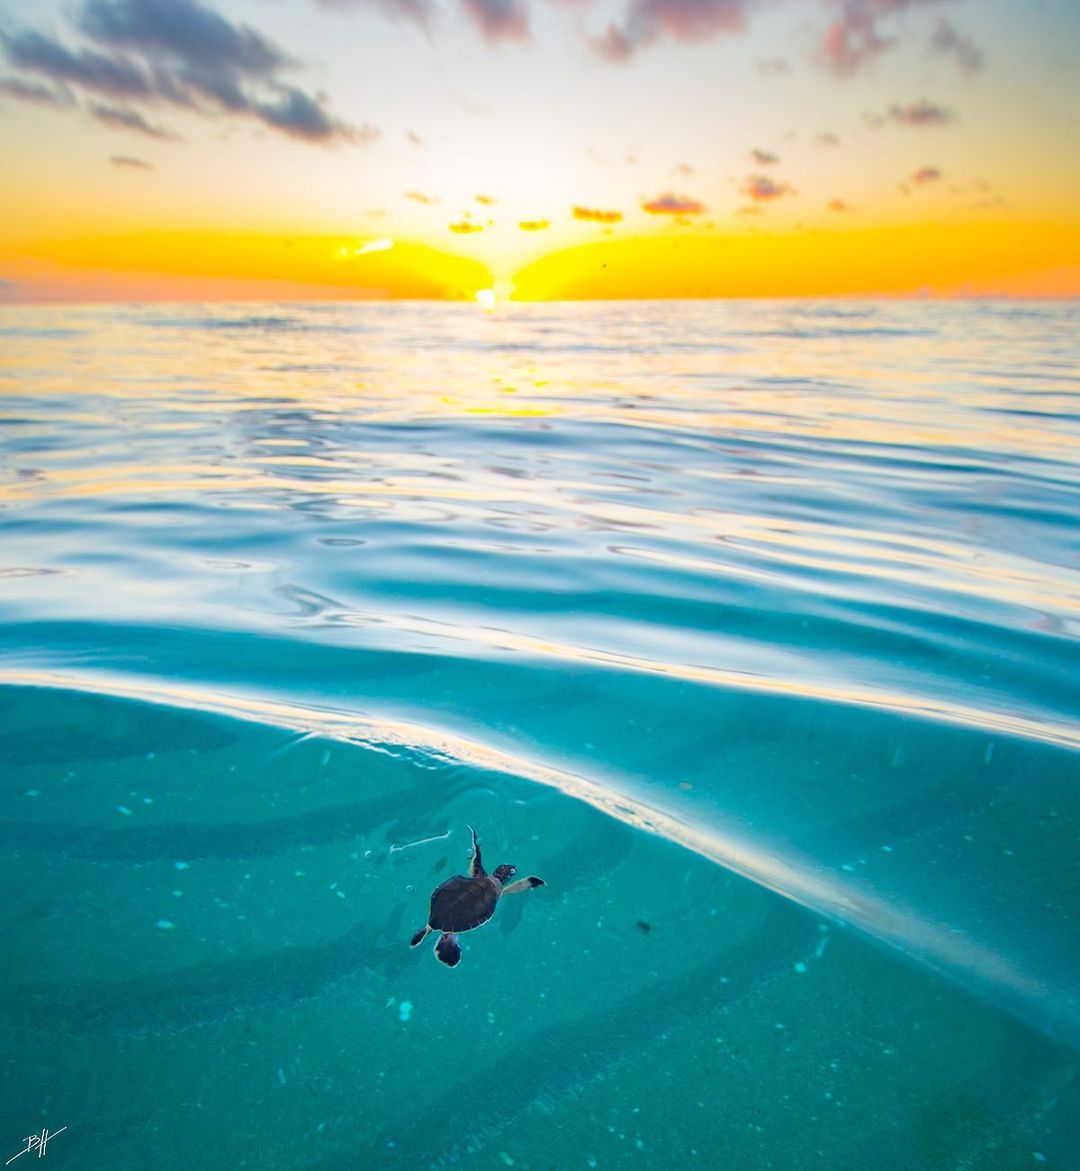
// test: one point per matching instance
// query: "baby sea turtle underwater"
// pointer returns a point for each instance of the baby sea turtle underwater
(467, 901)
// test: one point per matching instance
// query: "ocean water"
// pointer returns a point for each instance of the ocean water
(750, 627)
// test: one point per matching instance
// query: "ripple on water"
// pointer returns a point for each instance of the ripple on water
(698, 605)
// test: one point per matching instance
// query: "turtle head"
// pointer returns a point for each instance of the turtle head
(505, 872)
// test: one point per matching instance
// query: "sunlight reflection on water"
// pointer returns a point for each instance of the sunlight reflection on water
(690, 521)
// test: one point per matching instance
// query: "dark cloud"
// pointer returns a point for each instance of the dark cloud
(301, 116)
(948, 40)
(926, 175)
(687, 21)
(596, 215)
(856, 38)
(185, 54)
(122, 118)
(921, 113)
(500, 20)
(186, 31)
(763, 188)
(112, 76)
(33, 91)
(131, 162)
(764, 158)
(671, 204)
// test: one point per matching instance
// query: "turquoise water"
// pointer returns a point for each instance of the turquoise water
(751, 628)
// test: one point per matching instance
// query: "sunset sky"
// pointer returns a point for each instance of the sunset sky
(539, 148)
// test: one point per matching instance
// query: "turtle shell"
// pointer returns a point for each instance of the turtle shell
(462, 903)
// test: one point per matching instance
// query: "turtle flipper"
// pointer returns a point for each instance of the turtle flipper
(476, 867)
(420, 936)
(447, 950)
(529, 883)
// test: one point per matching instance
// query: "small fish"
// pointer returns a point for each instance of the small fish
(440, 864)
(644, 927)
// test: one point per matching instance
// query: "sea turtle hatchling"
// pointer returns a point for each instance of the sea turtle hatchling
(467, 901)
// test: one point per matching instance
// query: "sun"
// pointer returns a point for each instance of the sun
(485, 298)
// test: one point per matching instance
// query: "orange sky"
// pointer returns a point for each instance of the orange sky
(630, 148)
(993, 259)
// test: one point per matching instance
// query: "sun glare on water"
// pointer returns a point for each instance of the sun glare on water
(485, 298)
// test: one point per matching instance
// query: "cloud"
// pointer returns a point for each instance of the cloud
(464, 227)
(855, 38)
(926, 175)
(113, 76)
(301, 116)
(922, 113)
(486, 200)
(837, 205)
(682, 169)
(614, 46)
(121, 118)
(185, 31)
(184, 54)
(496, 20)
(773, 67)
(499, 20)
(420, 197)
(687, 21)
(763, 158)
(827, 138)
(131, 162)
(32, 91)
(763, 188)
(533, 225)
(419, 11)
(671, 204)
(414, 138)
(948, 40)
(596, 215)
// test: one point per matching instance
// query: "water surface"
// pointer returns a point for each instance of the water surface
(752, 628)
